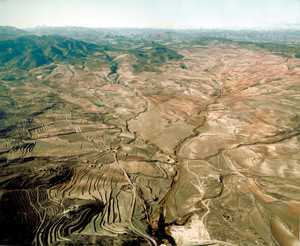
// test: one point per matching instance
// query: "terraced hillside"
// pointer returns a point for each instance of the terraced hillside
(201, 149)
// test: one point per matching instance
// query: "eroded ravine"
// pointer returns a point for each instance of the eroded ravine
(206, 155)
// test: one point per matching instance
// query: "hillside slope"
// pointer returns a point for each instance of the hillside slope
(32, 51)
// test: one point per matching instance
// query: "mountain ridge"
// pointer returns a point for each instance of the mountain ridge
(31, 51)
(11, 32)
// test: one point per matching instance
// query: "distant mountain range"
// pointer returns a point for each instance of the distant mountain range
(8, 32)
(42, 46)
(30, 48)
(29, 51)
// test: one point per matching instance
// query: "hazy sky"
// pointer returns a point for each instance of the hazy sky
(151, 13)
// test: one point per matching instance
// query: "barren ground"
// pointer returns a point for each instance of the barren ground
(206, 154)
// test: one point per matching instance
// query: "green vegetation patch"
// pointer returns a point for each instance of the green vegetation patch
(289, 50)
(98, 103)
(204, 41)
(148, 59)
(32, 51)
(114, 65)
